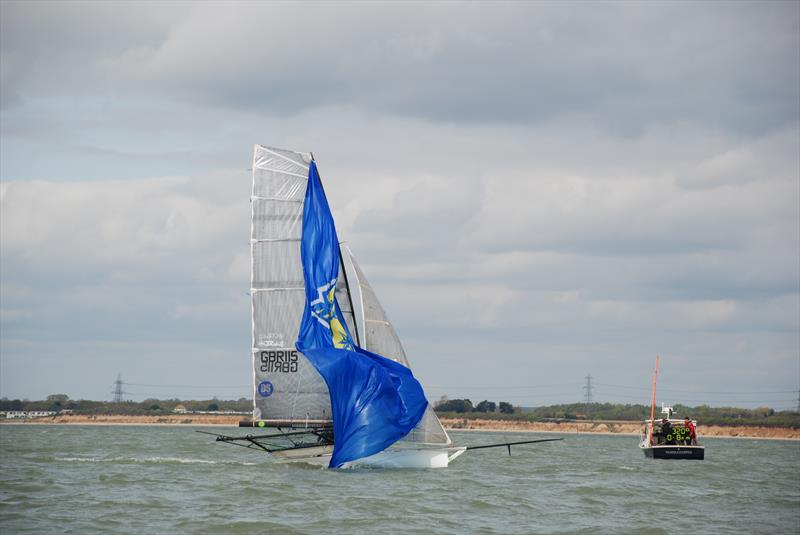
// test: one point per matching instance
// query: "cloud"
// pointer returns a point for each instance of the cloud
(121, 223)
(529, 247)
(122, 260)
(551, 187)
(619, 66)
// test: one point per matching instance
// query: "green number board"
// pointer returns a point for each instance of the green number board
(679, 434)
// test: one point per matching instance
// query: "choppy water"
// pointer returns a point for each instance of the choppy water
(141, 479)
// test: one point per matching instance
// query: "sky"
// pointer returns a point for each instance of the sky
(537, 191)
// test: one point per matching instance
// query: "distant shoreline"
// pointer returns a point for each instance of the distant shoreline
(616, 427)
(458, 424)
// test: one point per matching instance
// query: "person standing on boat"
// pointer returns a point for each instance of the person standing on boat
(666, 432)
(659, 433)
(692, 440)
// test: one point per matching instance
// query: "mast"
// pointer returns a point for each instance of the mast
(653, 404)
(350, 288)
(251, 293)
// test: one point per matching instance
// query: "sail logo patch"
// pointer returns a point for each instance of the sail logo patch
(279, 361)
(271, 340)
(323, 309)
(265, 389)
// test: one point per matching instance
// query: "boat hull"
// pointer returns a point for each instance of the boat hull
(318, 455)
(675, 452)
(400, 458)
(409, 458)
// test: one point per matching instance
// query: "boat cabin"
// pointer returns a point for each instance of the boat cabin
(671, 438)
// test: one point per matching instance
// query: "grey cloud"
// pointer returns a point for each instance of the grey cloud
(50, 47)
(467, 158)
(624, 67)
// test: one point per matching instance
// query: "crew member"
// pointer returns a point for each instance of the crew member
(692, 439)
(666, 432)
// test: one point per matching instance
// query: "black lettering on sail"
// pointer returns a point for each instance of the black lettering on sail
(279, 361)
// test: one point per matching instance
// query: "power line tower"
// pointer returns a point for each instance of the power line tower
(588, 388)
(118, 389)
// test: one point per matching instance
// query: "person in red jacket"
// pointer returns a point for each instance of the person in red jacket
(692, 440)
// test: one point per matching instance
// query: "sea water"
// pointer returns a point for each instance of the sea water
(157, 479)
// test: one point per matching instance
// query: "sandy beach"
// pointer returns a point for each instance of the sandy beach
(461, 424)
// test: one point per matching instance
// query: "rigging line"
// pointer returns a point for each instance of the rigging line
(186, 386)
(743, 397)
(461, 387)
(539, 396)
(704, 401)
(706, 391)
(550, 395)
(668, 394)
(195, 394)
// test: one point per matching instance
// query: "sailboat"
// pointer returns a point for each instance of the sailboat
(332, 385)
(292, 399)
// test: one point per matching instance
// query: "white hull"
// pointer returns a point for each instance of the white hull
(320, 455)
(400, 458)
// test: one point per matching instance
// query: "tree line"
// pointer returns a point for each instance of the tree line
(61, 402)
(705, 415)
(465, 405)
(458, 408)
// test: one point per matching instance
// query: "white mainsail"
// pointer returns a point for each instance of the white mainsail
(287, 388)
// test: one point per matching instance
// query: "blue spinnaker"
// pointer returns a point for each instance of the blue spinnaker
(375, 401)
(323, 324)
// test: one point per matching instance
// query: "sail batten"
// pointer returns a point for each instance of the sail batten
(287, 173)
(254, 198)
(278, 289)
(264, 158)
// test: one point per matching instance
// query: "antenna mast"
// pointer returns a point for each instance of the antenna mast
(653, 404)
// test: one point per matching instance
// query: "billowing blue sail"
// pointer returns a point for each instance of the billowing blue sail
(375, 401)
(323, 324)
